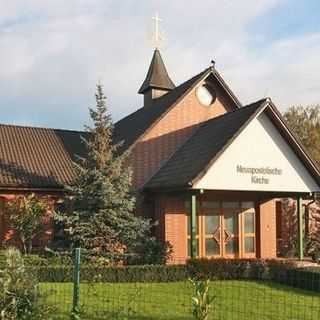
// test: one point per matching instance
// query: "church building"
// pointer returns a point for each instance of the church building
(210, 170)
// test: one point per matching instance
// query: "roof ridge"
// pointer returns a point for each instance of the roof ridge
(227, 88)
(39, 127)
(166, 95)
(159, 100)
(250, 105)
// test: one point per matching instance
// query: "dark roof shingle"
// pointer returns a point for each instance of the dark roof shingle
(199, 150)
(33, 157)
(130, 128)
(37, 157)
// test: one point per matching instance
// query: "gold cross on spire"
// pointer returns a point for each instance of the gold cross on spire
(157, 37)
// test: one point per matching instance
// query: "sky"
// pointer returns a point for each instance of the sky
(53, 52)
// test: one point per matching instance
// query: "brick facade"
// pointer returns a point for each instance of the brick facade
(157, 145)
(173, 226)
(267, 230)
(175, 221)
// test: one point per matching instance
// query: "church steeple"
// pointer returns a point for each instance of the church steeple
(157, 82)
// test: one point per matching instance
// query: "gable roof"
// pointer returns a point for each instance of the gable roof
(32, 157)
(183, 166)
(183, 169)
(157, 76)
(130, 128)
(38, 157)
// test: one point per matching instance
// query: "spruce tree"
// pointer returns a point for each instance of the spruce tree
(102, 218)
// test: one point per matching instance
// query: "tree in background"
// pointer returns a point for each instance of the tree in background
(305, 123)
(25, 216)
(102, 218)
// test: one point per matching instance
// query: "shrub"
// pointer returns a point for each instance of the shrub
(227, 268)
(92, 273)
(154, 252)
(304, 278)
(38, 261)
(239, 268)
(316, 255)
(60, 269)
(25, 216)
(196, 269)
(19, 293)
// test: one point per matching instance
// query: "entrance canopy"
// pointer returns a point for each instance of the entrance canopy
(250, 149)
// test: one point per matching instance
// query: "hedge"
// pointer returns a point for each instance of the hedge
(305, 278)
(254, 269)
(92, 273)
(281, 271)
(197, 268)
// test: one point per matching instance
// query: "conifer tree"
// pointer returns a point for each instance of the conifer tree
(102, 216)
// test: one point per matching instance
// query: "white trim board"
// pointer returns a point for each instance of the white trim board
(259, 159)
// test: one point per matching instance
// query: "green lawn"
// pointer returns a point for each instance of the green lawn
(154, 301)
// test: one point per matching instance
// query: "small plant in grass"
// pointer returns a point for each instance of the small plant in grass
(201, 299)
(19, 291)
(128, 311)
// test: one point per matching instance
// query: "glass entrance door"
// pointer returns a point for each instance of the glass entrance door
(231, 233)
(212, 234)
(225, 229)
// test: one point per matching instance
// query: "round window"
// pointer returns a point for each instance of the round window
(205, 95)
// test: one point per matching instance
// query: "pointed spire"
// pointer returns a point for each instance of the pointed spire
(157, 76)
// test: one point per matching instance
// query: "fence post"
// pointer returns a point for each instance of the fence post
(76, 285)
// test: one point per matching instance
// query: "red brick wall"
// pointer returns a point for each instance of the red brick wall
(170, 132)
(175, 221)
(174, 227)
(267, 230)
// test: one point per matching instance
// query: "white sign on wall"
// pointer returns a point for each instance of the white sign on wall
(259, 159)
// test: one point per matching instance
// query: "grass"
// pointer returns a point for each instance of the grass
(238, 300)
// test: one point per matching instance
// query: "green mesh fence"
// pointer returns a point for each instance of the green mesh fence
(234, 299)
(294, 295)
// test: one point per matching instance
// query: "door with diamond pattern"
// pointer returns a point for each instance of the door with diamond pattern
(220, 229)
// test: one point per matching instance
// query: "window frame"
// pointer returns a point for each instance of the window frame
(240, 210)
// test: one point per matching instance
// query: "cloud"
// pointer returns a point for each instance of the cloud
(53, 52)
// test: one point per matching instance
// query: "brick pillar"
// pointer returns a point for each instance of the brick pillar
(267, 228)
(176, 228)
